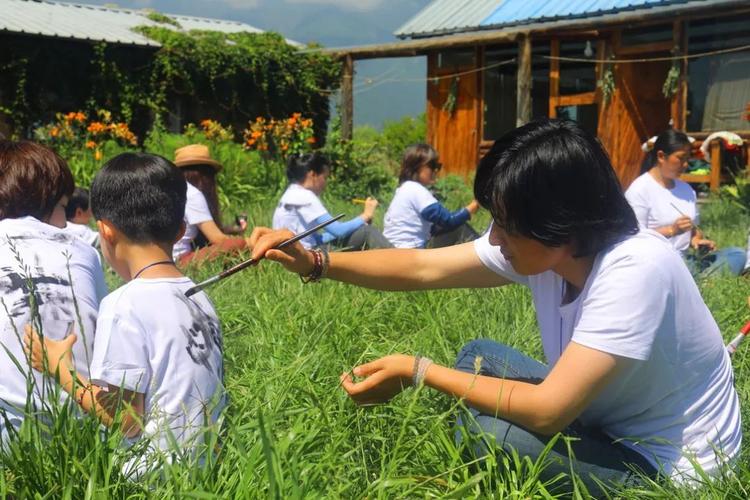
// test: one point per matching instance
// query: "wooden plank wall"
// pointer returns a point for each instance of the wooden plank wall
(454, 135)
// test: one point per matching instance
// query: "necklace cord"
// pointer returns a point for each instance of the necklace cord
(159, 263)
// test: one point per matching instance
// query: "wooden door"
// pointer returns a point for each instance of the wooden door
(453, 129)
(637, 110)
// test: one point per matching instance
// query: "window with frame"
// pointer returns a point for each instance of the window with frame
(500, 88)
(719, 84)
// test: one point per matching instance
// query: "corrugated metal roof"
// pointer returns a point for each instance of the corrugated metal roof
(97, 23)
(446, 16)
(451, 16)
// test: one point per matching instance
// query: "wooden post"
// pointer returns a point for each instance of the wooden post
(347, 99)
(554, 78)
(523, 82)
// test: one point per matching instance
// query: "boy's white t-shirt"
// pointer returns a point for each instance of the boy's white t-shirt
(68, 282)
(652, 204)
(677, 399)
(404, 226)
(196, 212)
(298, 209)
(83, 232)
(153, 340)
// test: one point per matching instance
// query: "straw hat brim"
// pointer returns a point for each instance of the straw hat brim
(198, 161)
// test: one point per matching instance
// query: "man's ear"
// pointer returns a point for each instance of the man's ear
(181, 232)
(107, 231)
(79, 212)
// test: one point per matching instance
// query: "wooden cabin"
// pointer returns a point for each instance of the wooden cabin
(624, 69)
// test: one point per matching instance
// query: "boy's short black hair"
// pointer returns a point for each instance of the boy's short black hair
(552, 181)
(79, 199)
(141, 194)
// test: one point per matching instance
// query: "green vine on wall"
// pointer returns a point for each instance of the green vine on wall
(158, 17)
(234, 77)
(449, 106)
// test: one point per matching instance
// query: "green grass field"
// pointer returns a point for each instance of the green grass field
(291, 432)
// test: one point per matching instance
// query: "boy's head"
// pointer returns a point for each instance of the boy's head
(140, 197)
(78, 209)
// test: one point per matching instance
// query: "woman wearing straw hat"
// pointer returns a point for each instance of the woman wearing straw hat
(202, 214)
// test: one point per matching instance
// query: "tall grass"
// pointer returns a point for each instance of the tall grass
(290, 431)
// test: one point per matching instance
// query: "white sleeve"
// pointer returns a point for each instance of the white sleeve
(494, 261)
(120, 354)
(623, 309)
(312, 208)
(196, 209)
(639, 205)
(422, 197)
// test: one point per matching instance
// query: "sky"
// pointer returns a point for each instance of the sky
(384, 89)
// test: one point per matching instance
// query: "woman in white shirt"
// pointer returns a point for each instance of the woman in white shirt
(664, 203)
(38, 257)
(300, 208)
(202, 215)
(636, 368)
(415, 215)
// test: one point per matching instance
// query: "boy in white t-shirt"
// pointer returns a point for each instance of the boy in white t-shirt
(78, 215)
(156, 351)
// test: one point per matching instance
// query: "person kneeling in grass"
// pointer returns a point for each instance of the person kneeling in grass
(636, 370)
(155, 351)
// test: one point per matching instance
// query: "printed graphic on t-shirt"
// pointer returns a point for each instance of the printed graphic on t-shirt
(203, 335)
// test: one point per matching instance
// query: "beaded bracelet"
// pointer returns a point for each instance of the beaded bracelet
(317, 270)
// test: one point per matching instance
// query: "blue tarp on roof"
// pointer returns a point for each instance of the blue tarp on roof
(526, 11)
(451, 16)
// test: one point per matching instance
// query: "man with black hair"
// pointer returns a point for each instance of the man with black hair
(156, 351)
(78, 214)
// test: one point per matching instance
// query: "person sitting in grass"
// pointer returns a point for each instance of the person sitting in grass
(202, 214)
(666, 204)
(415, 215)
(300, 208)
(157, 355)
(636, 370)
(78, 215)
(46, 276)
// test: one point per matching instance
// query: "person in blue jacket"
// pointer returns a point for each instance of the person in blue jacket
(300, 208)
(415, 215)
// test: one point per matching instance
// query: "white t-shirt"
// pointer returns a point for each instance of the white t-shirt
(196, 212)
(652, 204)
(66, 275)
(84, 232)
(153, 340)
(297, 211)
(404, 226)
(640, 302)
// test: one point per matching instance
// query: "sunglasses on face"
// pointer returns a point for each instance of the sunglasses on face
(435, 165)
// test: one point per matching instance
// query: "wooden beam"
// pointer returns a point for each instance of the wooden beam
(523, 82)
(422, 46)
(577, 99)
(347, 99)
(554, 78)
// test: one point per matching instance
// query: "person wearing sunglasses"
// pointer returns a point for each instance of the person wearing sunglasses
(415, 215)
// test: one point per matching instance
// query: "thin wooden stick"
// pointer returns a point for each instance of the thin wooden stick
(249, 262)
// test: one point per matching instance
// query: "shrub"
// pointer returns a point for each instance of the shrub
(398, 135)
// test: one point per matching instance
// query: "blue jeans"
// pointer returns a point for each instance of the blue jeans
(591, 454)
(730, 259)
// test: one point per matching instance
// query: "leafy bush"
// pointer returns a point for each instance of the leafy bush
(357, 170)
(280, 138)
(398, 135)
